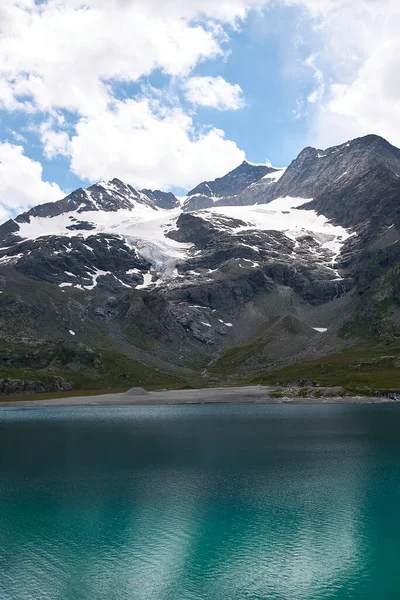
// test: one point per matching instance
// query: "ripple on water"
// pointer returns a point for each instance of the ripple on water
(200, 503)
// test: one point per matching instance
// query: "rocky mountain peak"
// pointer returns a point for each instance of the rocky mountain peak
(223, 189)
(344, 182)
(162, 199)
(233, 182)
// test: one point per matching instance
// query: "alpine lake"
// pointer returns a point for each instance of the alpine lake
(200, 502)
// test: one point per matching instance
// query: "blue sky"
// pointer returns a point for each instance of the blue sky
(165, 95)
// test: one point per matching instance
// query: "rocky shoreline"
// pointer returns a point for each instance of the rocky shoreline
(237, 395)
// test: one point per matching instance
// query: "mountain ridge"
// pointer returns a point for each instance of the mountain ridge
(279, 256)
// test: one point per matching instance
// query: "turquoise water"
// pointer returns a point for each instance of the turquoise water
(200, 502)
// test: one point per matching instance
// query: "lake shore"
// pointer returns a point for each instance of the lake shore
(234, 395)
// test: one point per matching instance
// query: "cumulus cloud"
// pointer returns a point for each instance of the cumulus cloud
(21, 183)
(143, 143)
(67, 59)
(359, 54)
(214, 92)
(68, 54)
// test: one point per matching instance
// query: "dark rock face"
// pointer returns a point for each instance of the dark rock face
(77, 261)
(265, 257)
(351, 183)
(9, 233)
(108, 197)
(197, 230)
(234, 182)
(197, 202)
(81, 226)
(228, 186)
(162, 199)
(25, 386)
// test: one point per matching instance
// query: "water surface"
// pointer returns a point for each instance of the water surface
(200, 502)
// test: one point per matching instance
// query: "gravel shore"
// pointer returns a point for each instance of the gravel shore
(237, 395)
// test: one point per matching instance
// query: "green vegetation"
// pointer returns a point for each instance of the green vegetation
(357, 370)
(232, 358)
(375, 314)
(86, 369)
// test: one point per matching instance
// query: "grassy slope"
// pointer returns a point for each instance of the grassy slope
(373, 364)
(358, 370)
(232, 358)
(117, 372)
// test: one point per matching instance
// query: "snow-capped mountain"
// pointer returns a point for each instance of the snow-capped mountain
(274, 255)
(224, 189)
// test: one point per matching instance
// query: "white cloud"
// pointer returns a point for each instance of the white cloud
(318, 92)
(21, 183)
(68, 57)
(17, 136)
(359, 55)
(144, 143)
(54, 142)
(68, 54)
(214, 92)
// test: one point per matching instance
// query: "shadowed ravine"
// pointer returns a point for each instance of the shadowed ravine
(200, 502)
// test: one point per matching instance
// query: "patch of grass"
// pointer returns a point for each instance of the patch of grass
(357, 370)
(231, 358)
(277, 394)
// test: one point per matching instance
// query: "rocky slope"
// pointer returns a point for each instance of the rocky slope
(225, 190)
(262, 267)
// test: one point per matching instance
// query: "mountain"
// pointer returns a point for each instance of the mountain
(225, 189)
(255, 271)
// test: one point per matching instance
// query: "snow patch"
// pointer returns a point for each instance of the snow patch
(226, 324)
(142, 227)
(252, 262)
(147, 279)
(97, 273)
(285, 215)
(5, 260)
(254, 164)
(275, 176)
